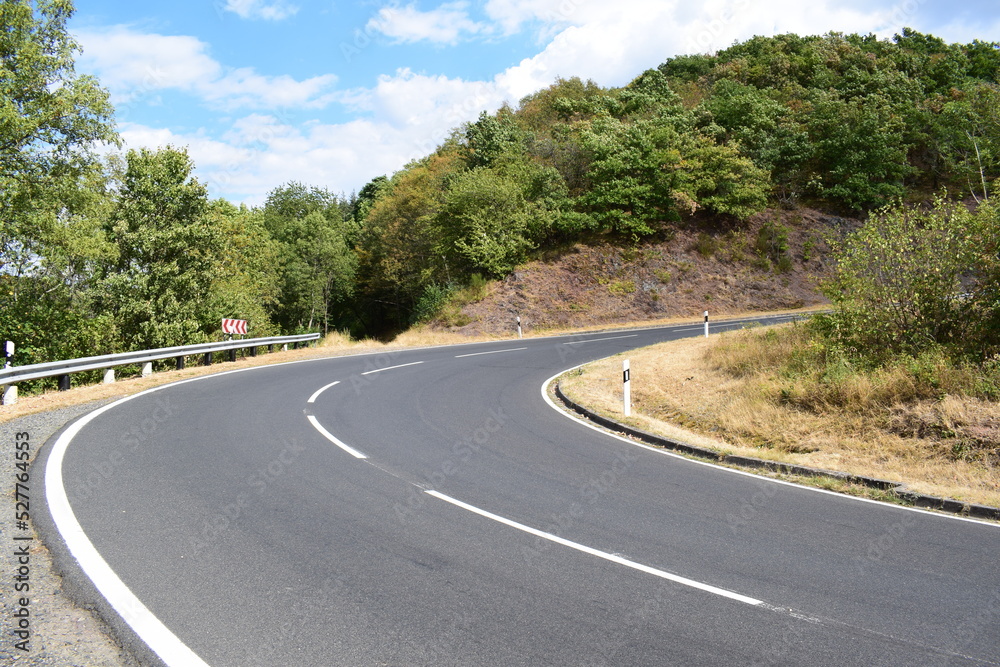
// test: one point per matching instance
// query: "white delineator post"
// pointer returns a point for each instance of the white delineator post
(627, 384)
(706, 324)
(9, 390)
(519, 326)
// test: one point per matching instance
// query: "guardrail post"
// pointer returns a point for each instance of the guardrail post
(253, 351)
(147, 369)
(109, 376)
(180, 363)
(232, 354)
(208, 359)
(9, 394)
(270, 349)
(64, 383)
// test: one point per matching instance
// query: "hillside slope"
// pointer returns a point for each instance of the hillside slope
(743, 269)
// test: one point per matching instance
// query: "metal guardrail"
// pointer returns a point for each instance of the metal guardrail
(14, 374)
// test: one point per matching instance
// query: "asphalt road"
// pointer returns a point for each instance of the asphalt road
(482, 527)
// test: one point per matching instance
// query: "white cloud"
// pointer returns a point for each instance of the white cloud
(613, 42)
(258, 9)
(260, 153)
(445, 25)
(135, 65)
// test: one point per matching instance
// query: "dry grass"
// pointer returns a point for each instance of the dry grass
(740, 393)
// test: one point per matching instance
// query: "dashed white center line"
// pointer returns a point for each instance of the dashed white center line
(379, 370)
(602, 554)
(312, 399)
(332, 438)
(594, 340)
(476, 354)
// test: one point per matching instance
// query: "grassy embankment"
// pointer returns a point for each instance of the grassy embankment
(780, 394)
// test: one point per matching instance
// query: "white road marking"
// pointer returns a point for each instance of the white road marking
(379, 370)
(312, 399)
(165, 644)
(476, 354)
(663, 574)
(593, 340)
(332, 438)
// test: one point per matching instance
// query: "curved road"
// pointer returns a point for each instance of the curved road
(428, 507)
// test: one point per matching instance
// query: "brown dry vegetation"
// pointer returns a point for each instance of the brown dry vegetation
(741, 393)
(708, 266)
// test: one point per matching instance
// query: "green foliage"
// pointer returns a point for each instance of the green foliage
(50, 119)
(860, 145)
(492, 137)
(706, 245)
(898, 280)
(486, 220)
(156, 286)
(622, 288)
(649, 172)
(316, 261)
(430, 303)
(772, 245)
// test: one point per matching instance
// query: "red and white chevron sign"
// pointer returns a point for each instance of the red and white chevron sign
(234, 326)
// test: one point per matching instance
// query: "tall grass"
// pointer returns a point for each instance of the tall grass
(802, 369)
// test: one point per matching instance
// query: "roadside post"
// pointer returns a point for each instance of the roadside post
(519, 326)
(706, 324)
(627, 384)
(9, 390)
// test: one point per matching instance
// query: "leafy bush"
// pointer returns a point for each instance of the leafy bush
(430, 303)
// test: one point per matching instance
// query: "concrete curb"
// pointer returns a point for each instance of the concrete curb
(899, 490)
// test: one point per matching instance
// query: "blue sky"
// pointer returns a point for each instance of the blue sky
(334, 93)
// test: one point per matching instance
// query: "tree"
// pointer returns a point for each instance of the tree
(245, 284)
(316, 258)
(157, 287)
(861, 157)
(764, 130)
(49, 120)
(969, 130)
(648, 172)
(491, 137)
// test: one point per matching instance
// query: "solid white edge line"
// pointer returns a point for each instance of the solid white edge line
(663, 574)
(332, 438)
(477, 354)
(312, 399)
(635, 443)
(164, 643)
(379, 370)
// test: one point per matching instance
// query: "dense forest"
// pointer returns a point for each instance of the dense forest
(101, 254)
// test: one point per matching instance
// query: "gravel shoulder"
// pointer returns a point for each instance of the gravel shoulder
(61, 631)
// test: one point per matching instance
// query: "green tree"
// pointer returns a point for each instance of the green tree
(861, 157)
(648, 172)
(969, 131)
(158, 284)
(491, 137)
(245, 283)
(764, 130)
(49, 120)
(316, 257)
